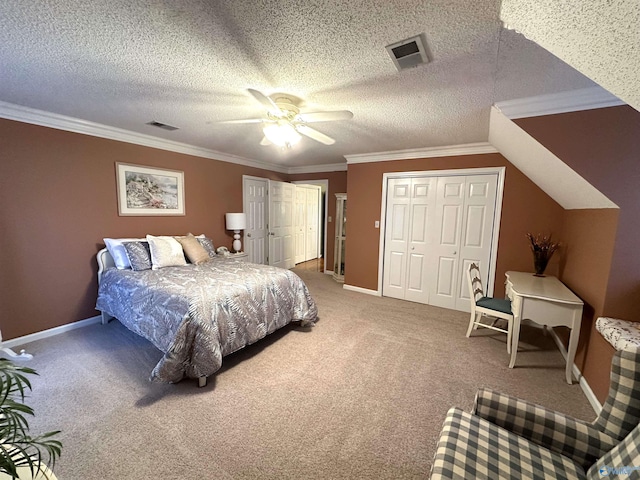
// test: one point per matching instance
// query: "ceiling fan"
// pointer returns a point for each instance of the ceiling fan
(284, 123)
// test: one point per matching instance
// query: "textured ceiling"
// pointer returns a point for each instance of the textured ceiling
(601, 39)
(188, 63)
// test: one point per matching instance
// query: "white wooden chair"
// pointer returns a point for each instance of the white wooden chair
(487, 307)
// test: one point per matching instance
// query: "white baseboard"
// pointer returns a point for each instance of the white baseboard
(591, 397)
(362, 290)
(16, 342)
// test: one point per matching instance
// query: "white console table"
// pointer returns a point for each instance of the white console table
(546, 301)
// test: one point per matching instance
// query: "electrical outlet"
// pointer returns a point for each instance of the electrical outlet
(329, 220)
(377, 224)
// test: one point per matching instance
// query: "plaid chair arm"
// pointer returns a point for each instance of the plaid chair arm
(560, 433)
(470, 447)
(621, 462)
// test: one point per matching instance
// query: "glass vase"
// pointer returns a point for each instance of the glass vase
(540, 261)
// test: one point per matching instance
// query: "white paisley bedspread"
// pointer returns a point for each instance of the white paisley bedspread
(196, 314)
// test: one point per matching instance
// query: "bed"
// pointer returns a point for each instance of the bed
(197, 314)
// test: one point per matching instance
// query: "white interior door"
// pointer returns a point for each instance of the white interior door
(477, 232)
(447, 233)
(422, 208)
(410, 208)
(281, 241)
(312, 224)
(323, 215)
(434, 228)
(396, 237)
(255, 207)
(300, 224)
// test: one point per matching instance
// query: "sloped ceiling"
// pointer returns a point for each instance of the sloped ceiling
(565, 186)
(188, 63)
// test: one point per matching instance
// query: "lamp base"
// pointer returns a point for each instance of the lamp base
(237, 244)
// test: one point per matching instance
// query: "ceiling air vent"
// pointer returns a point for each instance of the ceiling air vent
(162, 125)
(409, 53)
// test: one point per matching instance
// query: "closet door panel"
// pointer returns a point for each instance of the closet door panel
(396, 270)
(447, 225)
(477, 232)
(420, 238)
(396, 238)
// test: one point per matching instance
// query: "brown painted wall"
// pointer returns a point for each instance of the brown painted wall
(603, 146)
(586, 265)
(525, 208)
(337, 184)
(58, 197)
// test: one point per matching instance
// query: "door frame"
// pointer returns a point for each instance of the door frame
(499, 171)
(324, 190)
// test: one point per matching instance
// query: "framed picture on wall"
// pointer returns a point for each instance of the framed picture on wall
(145, 191)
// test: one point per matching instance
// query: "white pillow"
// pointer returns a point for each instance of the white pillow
(165, 252)
(117, 251)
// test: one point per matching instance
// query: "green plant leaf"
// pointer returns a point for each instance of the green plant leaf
(17, 447)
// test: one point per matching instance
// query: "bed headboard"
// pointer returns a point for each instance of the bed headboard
(105, 260)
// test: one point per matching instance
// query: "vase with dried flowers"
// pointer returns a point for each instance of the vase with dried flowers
(542, 247)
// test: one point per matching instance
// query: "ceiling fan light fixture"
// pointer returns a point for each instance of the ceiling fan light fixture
(282, 134)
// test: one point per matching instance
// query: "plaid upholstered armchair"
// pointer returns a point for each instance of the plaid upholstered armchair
(505, 437)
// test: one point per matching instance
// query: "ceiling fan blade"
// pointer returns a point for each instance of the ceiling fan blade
(264, 100)
(248, 120)
(265, 142)
(325, 116)
(316, 135)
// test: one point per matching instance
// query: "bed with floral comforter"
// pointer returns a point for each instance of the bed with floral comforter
(197, 314)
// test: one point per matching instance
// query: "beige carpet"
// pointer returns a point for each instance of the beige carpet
(361, 395)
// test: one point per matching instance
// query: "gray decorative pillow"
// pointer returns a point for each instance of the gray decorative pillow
(139, 255)
(207, 243)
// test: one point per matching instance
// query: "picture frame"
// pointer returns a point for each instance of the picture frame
(149, 191)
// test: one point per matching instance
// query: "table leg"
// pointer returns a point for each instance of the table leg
(515, 335)
(573, 342)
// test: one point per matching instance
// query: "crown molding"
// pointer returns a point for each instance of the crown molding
(330, 167)
(430, 152)
(70, 124)
(563, 102)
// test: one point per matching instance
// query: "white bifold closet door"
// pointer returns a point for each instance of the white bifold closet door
(307, 222)
(410, 209)
(434, 228)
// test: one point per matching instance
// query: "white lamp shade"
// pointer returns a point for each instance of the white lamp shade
(236, 221)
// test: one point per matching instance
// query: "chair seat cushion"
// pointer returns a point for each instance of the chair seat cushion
(499, 304)
(471, 447)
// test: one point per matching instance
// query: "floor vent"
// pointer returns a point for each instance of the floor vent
(409, 53)
(162, 125)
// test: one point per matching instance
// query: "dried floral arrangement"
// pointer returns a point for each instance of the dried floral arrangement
(542, 243)
(542, 247)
